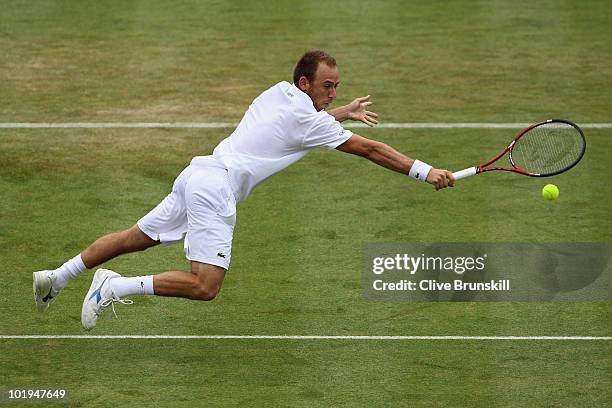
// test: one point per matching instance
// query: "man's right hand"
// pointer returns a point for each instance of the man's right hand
(440, 178)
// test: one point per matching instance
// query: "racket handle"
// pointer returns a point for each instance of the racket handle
(465, 173)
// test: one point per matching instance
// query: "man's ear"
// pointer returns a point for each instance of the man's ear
(303, 84)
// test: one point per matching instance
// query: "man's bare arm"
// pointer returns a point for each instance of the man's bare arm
(388, 157)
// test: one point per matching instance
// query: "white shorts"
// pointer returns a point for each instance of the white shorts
(200, 210)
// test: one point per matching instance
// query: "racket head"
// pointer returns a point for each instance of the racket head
(547, 148)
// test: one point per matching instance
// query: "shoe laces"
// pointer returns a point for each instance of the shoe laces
(111, 302)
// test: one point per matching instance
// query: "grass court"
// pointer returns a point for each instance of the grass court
(296, 260)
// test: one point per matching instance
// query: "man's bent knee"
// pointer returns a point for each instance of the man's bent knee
(206, 293)
(208, 280)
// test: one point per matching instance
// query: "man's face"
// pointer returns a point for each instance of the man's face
(322, 90)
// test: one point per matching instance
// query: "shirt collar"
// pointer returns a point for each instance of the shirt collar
(302, 97)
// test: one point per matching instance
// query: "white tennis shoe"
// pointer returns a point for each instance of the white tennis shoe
(44, 291)
(99, 298)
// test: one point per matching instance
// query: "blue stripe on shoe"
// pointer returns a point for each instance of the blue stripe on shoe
(96, 292)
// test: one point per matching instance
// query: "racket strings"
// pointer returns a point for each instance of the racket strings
(548, 148)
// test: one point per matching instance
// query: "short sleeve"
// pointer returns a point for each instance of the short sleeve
(326, 132)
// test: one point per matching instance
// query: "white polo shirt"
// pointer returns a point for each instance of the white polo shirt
(280, 127)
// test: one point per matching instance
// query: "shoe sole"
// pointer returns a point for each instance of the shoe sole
(41, 287)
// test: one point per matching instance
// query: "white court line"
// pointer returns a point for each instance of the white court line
(226, 125)
(263, 337)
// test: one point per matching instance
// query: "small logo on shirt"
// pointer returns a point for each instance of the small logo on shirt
(290, 94)
(219, 254)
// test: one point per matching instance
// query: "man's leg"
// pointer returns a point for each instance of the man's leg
(115, 244)
(202, 283)
(48, 284)
(102, 250)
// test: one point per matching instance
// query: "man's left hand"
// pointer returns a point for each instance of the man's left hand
(357, 111)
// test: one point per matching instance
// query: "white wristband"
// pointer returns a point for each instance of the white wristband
(419, 170)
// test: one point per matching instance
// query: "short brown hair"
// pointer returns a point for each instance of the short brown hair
(308, 64)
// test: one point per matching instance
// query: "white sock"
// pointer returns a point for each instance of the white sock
(68, 271)
(140, 285)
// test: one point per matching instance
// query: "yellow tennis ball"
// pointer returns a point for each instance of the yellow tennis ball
(550, 192)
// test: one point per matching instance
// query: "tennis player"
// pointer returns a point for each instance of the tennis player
(281, 126)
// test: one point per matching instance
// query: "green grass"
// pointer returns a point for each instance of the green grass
(306, 374)
(461, 61)
(296, 270)
(297, 249)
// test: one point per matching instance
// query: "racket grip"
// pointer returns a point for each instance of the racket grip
(465, 173)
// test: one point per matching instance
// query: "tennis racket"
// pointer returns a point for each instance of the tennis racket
(541, 150)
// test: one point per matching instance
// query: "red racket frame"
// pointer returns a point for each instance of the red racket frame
(483, 167)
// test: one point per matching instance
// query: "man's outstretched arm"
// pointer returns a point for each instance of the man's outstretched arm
(391, 159)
